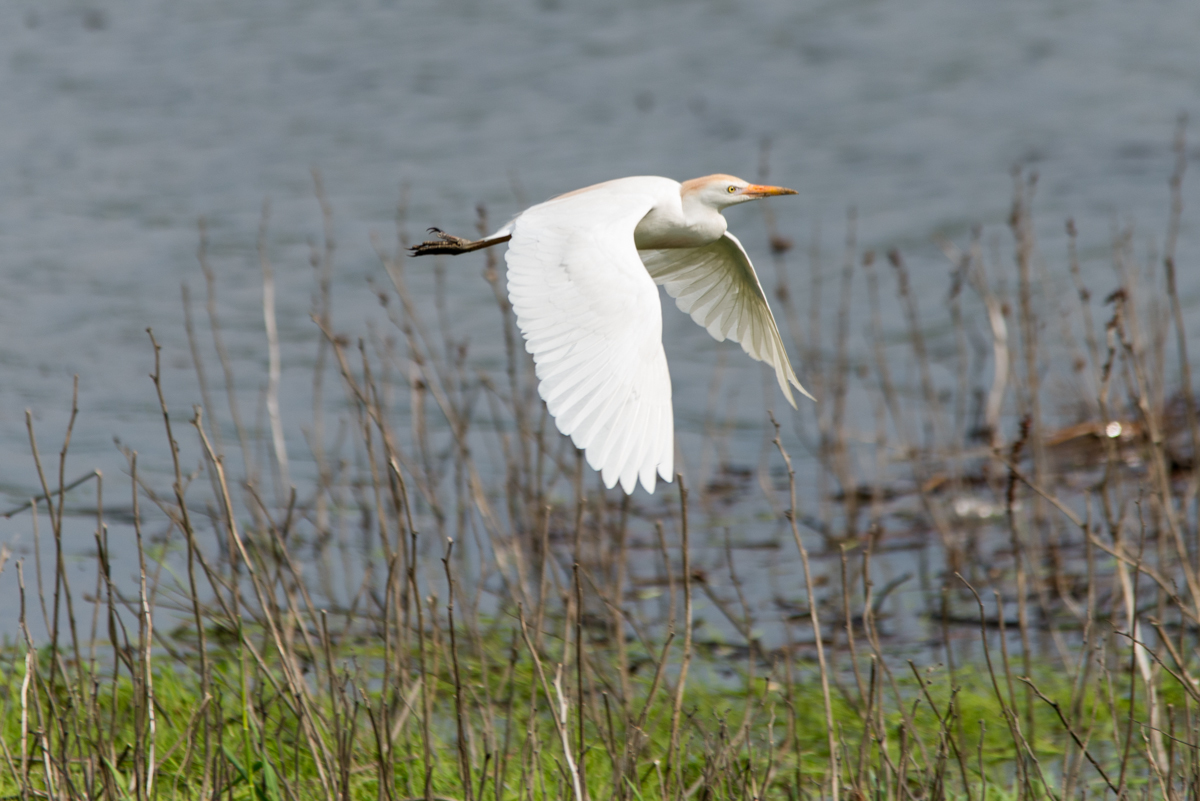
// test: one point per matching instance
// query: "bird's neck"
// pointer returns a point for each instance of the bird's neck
(681, 224)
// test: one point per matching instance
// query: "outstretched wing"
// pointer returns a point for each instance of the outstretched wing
(716, 284)
(591, 317)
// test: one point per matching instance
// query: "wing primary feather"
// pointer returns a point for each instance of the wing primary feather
(597, 421)
(616, 448)
(575, 381)
(628, 458)
(636, 448)
(717, 286)
(653, 450)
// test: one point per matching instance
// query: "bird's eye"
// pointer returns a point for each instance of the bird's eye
(731, 189)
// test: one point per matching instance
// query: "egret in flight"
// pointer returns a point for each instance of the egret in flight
(582, 269)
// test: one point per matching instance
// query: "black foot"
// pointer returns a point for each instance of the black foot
(445, 243)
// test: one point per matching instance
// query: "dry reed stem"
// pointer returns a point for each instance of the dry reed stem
(559, 710)
(834, 768)
(274, 366)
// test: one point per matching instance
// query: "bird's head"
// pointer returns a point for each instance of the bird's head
(720, 191)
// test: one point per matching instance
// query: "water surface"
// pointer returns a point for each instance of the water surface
(122, 124)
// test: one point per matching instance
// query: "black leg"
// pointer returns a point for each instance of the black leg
(445, 243)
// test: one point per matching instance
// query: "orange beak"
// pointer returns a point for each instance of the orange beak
(757, 190)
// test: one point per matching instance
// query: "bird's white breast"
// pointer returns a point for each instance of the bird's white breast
(667, 227)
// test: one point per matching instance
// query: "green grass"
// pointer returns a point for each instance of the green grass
(244, 735)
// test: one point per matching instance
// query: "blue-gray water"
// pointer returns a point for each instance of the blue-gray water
(123, 123)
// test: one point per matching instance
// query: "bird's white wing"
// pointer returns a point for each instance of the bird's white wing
(716, 284)
(591, 317)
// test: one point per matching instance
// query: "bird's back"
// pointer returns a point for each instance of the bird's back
(660, 188)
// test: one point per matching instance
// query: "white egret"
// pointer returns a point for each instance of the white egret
(582, 269)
